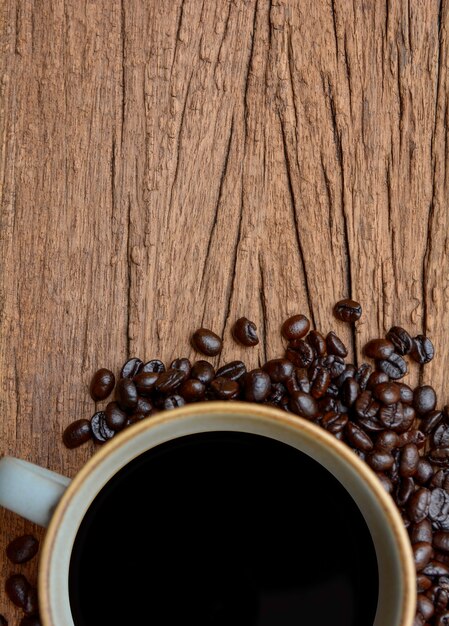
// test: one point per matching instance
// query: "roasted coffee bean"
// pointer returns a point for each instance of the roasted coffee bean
(126, 394)
(169, 381)
(435, 568)
(3, 620)
(440, 436)
(362, 375)
(424, 472)
(257, 386)
(379, 349)
(31, 603)
(380, 460)
(376, 378)
(440, 479)
(304, 405)
(320, 383)
(440, 456)
(425, 606)
(22, 549)
(173, 402)
(143, 406)
(358, 438)
(418, 505)
(192, 390)
(348, 372)
(348, 310)
(295, 327)
(439, 508)
(245, 332)
(422, 350)
(100, 430)
(335, 365)
(431, 421)
(404, 490)
(409, 460)
(365, 405)
(206, 342)
(115, 417)
(131, 368)
(335, 345)
(423, 583)
(441, 541)
(442, 619)
(102, 384)
(400, 339)
(424, 399)
(155, 365)
(203, 371)
(387, 393)
(30, 620)
(337, 425)
(395, 367)
(387, 440)
(279, 370)
(183, 365)
(409, 416)
(233, 370)
(422, 553)
(300, 353)
(317, 342)
(225, 388)
(386, 482)
(371, 423)
(77, 433)
(392, 415)
(145, 382)
(16, 588)
(406, 393)
(302, 380)
(421, 532)
(277, 393)
(349, 391)
(419, 620)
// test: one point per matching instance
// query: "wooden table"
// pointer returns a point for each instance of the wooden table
(167, 165)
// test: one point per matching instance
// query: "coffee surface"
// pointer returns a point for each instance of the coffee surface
(223, 529)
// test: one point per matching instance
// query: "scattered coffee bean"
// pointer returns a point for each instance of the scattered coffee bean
(183, 365)
(22, 549)
(145, 382)
(409, 460)
(379, 349)
(441, 541)
(206, 342)
(245, 332)
(155, 365)
(174, 402)
(279, 370)
(295, 327)
(317, 342)
(168, 381)
(102, 384)
(115, 417)
(387, 393)
(77, 433)
(300, 353)
(350, 391)
(395, 367)
(131, 368)
(303, 404)
(422, 350)
(400, 339)
(203, 371)
(348, 310)
(100, 430)
(335, 345)
(424, 399)
(143, 406)
(126, 394)
(225, 388)
(257, 386)
(233, 370)
(32, 602)
(16, 588)
(192, 390)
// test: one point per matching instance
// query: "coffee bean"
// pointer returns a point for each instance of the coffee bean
(115, 417)
(206, 342)
(365, 405)
(436, 568)
(304, 405)
(424, 399)
(16, 588)
(32, 602)
(192, 390)
(277, 394)
(77, 433)
(183, 365)
(300, 353)
(409, 460)
(376, 378)
(102, 384)
(320, 383)
(380, 460)
(440, 436)
(422, 553)
(418, 505)
(295, 327)
(431, 421)
(203, 371)
(387, 393)
(379, 349)
(395, 367)
(439, 508)
(225, 388)
(404, 490)
(406, 393)
(424, 472)
(100, 430)
(440, 456)
(440, 479)
(423, 583)
(233, 370)
(22, 549)
(400, 339)
(155, 365)
(145, 382)
(30, 620)
(441, 541)
(408, 418)
(348, 310)
(173, 402)
(317, 342)
(335, 345)
(422, 532)
(169, 381)
(336, 424)
(386, 482)
(419, 620)
(279, 370)
(126, 394)
(422, 350)
(143, 406)
(362, 375)
(349, 391)
(257, 386)
(348, 372)
(131, 368)
(425, 606)
(387, 440)
(245, 332)
(358, 438)
(302, 380)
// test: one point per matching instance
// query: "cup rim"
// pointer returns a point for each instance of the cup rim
(282, 418)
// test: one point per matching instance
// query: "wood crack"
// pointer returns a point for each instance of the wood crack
(263, 308)
(123, 38)
(129, 282)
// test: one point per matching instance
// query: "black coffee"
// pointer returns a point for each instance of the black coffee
(223, 529)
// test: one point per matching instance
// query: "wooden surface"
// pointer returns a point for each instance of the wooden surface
(166, 165)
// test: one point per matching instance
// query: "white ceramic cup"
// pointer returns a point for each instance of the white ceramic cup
(50, 499)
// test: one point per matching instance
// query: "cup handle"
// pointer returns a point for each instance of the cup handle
(29, 490)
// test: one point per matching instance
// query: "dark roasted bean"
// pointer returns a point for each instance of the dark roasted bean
(143, 406)
(206, 342)
(77, 433)
(431, 421)
(277, 393)
(115, 417)
(422, 350)
(155, 365)
(371, 423)
(295, 327)
(421, 532)
(131, 368)
(169, 381)
(392, 415)
(192, 390)
(233, 370)
(279, 370)
(183, 365)
(400, 339)
(386, 482)
(439, 508)
(348, 310)
(376, 378)
(22, 549)
(362, 375)
(348, 372)
(440, 456)
(387, 440)
(422, 553)
(404, 490)
(300, 353)
(441, 541)
(335, 365)
(442, 619)
(317, 342)
(173, 402)
(440, 478)
(424, 399)
(409, 460)
(418, 505)
(379, 349)
(335, 345)
(16, 588)
(245, 332)
(126, 394)
(387, 393)
(419, 620)
(424, 472)
(257, 386)
(380, 461)
(349, 391)
(337, 425)
(366, 406)
(203, 371)
(406, 393)
(320, 383)
(358, 438)
(225, 389)
(31, 603)
(302, 380)
(395, 367)
(440, 436)
(145, 382)
(102, 384)
(435, 568)
(303, 404)
(100, 430)
(425, 606)
(423, 583)
(292, 385)
(409, 416)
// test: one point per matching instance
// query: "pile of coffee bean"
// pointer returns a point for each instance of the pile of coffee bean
(18, 589)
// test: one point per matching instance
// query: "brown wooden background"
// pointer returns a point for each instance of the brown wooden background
(171, 164)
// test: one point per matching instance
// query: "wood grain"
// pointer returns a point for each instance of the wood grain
(170, 164)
